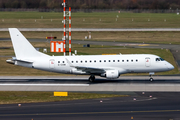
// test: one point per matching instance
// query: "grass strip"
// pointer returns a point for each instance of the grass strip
(90, 20)
(12, 97)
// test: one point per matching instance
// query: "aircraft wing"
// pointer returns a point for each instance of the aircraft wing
(86, 69)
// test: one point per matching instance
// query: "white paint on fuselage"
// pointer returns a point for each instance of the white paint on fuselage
(132, 63)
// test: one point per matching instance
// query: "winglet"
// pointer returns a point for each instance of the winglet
(69, 63)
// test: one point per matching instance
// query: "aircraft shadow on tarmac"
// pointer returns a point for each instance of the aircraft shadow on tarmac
(136, 81)
(85, 81)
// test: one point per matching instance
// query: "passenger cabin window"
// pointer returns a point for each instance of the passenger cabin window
(90, 61)
(76, 61)
(113, 60)
(99, 60)
(94, 60)
(131, 60)
(127, 60)
(72, 61)
(104, 60)
(136, 60)
(81, 61)
(58, 61)
(118, 60)
(122, 60)
(62, 61)
(109, 60)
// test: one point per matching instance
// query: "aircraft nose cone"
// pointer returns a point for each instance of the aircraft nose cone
(170, 67)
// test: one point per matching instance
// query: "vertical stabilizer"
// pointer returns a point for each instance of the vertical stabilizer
(22, 47)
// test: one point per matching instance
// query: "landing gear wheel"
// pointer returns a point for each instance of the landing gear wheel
(151, 79)
(91, 78)
(150, 75)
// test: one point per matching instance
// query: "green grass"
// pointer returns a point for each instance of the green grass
(90, 20)
(8, 97)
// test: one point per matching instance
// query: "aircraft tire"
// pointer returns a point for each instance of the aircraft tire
(151, 79)
(91, 78)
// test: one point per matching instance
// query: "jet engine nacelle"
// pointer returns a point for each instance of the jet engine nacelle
(111, 74)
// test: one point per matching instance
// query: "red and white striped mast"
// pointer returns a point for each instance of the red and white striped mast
(69, 31)
(64, 14)
(64, 21)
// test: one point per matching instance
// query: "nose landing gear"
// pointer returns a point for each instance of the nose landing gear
(150, 75)
(151, 79)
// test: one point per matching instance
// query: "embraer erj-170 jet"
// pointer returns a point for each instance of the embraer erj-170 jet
(109, 66)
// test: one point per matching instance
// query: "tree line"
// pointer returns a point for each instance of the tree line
(92, 4)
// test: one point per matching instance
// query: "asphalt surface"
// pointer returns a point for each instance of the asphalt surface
(96, 29)
(138, 106)
(81, 83)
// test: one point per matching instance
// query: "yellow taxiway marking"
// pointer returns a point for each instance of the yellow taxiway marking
(60, 93)
(78, 113)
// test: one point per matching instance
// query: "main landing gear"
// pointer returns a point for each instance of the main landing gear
(91, 78)
(150, 75)
(151, 79)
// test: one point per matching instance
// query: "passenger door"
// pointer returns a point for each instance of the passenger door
(147, 62)
(51, 63)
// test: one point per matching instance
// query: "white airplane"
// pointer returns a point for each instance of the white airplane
(109, 66)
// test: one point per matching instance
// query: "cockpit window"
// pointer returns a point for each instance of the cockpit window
(159, 59)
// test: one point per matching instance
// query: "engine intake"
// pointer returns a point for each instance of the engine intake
(111, 74)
